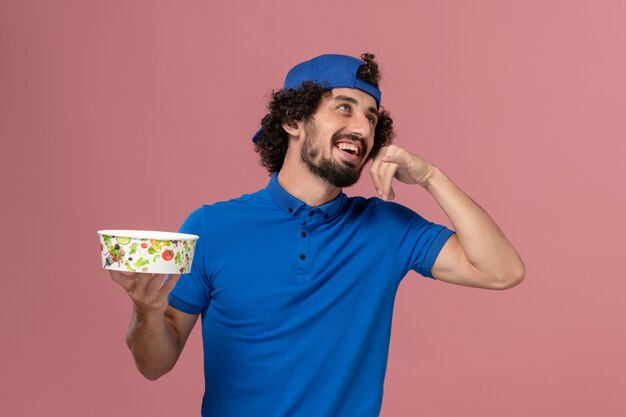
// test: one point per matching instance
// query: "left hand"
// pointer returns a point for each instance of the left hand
(394, 162)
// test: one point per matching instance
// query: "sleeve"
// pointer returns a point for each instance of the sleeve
(192, 291)
(415, 240)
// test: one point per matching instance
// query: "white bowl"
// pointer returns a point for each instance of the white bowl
(147, 251)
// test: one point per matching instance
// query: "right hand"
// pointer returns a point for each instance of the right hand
(149, 297)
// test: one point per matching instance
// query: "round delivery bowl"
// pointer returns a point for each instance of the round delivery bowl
(147, 251)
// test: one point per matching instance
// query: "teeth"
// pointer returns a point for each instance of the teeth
(348, 147)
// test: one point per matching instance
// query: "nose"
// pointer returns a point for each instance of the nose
(360, 125)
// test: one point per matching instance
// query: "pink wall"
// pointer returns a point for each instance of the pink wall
(117, 114)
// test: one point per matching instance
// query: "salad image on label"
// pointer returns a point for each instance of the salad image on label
(147, 251)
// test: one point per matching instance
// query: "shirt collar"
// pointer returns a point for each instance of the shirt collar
(291, 205)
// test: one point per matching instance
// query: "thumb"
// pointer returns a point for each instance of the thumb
(400, 159)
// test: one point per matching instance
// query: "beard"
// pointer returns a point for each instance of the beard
(336, 173)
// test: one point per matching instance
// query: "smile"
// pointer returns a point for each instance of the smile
(350, 148)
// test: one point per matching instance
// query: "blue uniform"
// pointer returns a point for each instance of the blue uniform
(296, 302)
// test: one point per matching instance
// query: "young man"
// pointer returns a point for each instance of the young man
(296, 282)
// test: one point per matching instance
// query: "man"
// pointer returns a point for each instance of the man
(296, 282)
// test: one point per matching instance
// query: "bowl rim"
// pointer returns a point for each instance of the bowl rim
(147, 234)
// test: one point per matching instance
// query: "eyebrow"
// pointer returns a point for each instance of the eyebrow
(349, 99)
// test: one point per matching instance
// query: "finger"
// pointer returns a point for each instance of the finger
(169, 285)
(122, 278)
(396, 159)
(152, 288)
(387, 171)
(410, 167)
(141, 283)
(387, 174)
(374, 169)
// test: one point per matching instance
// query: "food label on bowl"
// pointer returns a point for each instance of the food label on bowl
(146, 255)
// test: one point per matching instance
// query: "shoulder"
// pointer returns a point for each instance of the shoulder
(379, 206)
(243, 202)
(221, 210)
(223, 214)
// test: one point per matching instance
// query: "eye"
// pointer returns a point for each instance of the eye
(344, 106)
(372, 120)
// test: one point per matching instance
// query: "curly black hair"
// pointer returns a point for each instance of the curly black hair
(292, 105)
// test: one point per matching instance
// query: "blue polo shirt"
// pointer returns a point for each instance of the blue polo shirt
(296, 301)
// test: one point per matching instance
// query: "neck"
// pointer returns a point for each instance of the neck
(301, 183)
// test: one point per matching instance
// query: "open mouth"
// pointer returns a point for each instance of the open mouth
(349, 148)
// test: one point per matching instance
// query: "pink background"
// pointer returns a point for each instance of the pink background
(130, 114)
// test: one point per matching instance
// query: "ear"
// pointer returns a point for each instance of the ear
(293, 128)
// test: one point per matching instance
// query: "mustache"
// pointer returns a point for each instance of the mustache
(354, 138)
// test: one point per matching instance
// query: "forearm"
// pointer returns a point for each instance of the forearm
(483, 242)
(152, 344)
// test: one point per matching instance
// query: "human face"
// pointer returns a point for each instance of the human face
(339, 138)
